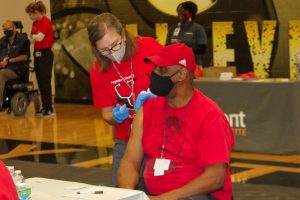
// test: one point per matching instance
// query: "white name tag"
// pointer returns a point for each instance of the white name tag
(160, 166)
(38, 54)
(176, 31)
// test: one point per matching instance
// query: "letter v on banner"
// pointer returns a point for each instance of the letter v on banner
(261, 46)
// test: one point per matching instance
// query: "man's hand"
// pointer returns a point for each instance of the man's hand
(3, 64)
(142, 97)
(120, 113)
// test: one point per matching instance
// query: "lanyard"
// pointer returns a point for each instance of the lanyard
(165, 140)
(124, 80)
(9, 47)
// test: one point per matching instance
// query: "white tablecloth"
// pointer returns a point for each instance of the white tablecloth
(49, 189)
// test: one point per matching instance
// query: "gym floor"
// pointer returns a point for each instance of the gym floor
(77, 136)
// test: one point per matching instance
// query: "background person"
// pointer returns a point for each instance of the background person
(42, 34)
(185, 136)
(118, 75)
(187, 31)
(14, 54)
(7, 187)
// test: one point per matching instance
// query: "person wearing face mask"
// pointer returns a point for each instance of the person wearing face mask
(185, 136)
(187, 31)
(14, 54)
(118, 75)
(42, 34)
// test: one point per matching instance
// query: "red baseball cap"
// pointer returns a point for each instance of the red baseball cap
(174, 54)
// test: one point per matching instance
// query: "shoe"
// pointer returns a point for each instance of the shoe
(40, 113)
(48, 113)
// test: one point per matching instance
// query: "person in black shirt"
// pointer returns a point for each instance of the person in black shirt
(187, 31)
(14, 54)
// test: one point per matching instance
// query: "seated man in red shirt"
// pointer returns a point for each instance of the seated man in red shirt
(7, 187)
(185, 136)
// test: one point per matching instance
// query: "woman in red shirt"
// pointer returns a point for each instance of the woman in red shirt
(7, 187)
(43, 36)
(118, 75)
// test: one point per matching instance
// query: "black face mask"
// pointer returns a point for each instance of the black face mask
(161, 85)
(8, 33)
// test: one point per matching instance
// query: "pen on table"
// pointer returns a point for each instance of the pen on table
(93, 192)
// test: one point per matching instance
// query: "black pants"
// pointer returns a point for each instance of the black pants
(43, 70)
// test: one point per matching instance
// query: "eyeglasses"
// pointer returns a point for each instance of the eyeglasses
(108, 51)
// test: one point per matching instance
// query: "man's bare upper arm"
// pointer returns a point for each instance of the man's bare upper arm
(134, 151)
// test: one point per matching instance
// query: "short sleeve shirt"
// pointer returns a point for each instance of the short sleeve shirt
(20, 46)
(7, 186)
(44, 26)
(192, 35)
(194, 137)
(109, 89)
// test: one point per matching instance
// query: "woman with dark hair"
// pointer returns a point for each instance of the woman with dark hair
(118, 75)
(187, 31)
(43, 37)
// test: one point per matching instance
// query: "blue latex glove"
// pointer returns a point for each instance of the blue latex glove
(120, 113)
(143, 96)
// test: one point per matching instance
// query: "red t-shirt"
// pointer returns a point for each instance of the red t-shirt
(7, 187)
(108, 86)
(44, 26)
(196, 135)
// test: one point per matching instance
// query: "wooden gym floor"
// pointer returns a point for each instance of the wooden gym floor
(78, 136)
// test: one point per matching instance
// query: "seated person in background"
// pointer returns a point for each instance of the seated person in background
(185, 136)
(14, 53)
(7, 187)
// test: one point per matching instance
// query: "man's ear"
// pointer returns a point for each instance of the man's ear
(183, 73)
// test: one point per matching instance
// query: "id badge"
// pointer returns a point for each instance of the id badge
(160, 166)
(38, 54)
(176, 31)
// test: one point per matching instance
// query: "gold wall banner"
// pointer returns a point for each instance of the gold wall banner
(261, 45)
(132, 29)
(222, 55)
(294, 33)
(161, 30)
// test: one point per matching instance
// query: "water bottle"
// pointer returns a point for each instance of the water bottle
(19, 179)
(297, 58)
(11, 170)
(23, 191)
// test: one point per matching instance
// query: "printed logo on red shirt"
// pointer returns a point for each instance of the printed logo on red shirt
(124, 91)
(173, 137)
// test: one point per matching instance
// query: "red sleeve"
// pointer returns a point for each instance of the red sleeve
(216, 140)
(7, 187)
(45, 26)
(100, 93)
(150, 46)
(33, 28)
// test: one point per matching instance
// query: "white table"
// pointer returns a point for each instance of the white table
(49, 189)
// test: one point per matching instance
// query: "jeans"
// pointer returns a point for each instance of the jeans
(118, 153)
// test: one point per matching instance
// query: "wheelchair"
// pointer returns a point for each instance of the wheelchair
(18, 93)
